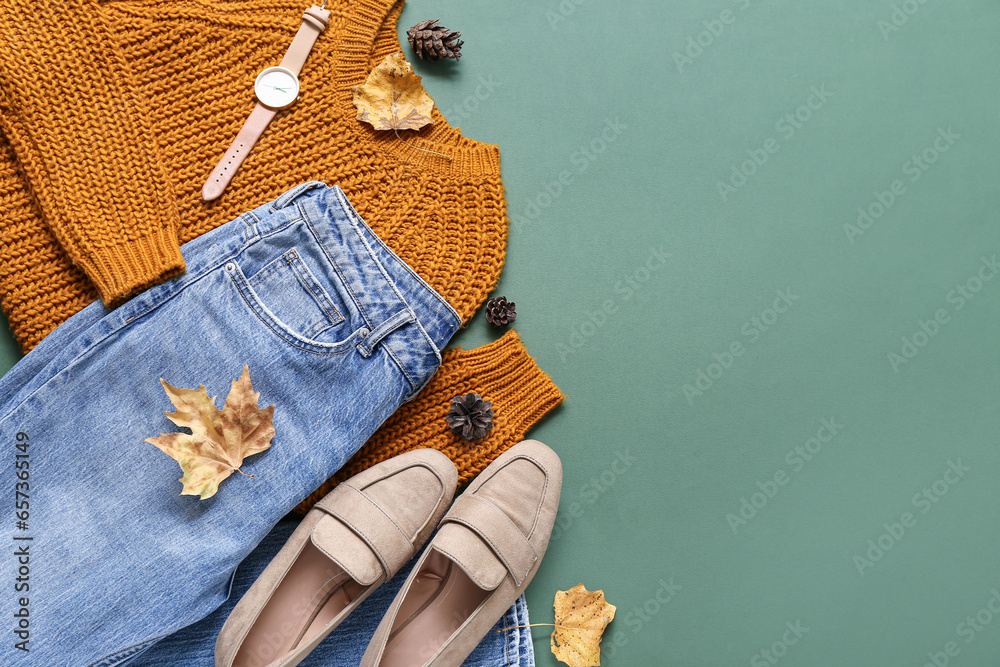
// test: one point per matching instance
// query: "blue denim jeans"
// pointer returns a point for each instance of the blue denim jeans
(104, 557)
(194, 646)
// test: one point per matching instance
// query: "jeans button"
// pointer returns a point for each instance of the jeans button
(362, 332)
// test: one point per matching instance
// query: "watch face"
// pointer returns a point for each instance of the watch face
(276, 87)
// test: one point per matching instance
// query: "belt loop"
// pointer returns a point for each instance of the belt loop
(289, 196)
(250, 230)
(367, 342)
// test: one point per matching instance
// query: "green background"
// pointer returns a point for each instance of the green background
(622, 332)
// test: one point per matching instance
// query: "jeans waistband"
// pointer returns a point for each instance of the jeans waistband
(369, 260)
(399, 309)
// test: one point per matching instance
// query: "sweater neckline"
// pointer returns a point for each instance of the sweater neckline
(353, 54)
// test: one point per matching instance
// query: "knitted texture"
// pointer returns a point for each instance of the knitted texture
(123, 108)
(502, 372)
(75, 136)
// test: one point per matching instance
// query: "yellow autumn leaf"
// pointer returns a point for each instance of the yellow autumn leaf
(581, 617)
(392, 97)
(219, 440)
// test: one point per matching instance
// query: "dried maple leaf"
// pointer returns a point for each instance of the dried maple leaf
(581, 617)
(219, 440)
(392, 98)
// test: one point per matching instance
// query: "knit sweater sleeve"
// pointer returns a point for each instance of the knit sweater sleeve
(72, 112)
(502, 372)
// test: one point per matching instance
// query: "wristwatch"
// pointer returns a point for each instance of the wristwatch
(276, 88)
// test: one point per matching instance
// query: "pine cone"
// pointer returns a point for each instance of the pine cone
(431, 41)
(470, 416)
(500, 312)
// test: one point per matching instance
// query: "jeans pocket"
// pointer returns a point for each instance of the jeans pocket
(290, 291)
(288, 300)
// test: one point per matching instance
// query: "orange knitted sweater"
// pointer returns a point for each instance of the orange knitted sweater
(112, 113)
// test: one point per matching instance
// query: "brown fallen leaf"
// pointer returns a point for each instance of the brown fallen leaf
(392, 97)
(581, 617)
(219, 440)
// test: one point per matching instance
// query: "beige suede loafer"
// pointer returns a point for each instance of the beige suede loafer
(488, 548)
(348, 545)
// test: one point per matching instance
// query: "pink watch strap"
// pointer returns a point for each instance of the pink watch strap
(314, 21)
(237, 151)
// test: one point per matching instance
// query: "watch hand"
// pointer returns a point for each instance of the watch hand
(281, 89)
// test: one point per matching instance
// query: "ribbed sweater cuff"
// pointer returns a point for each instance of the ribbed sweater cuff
(503, 372)
(127, 268)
